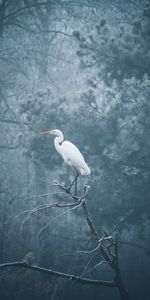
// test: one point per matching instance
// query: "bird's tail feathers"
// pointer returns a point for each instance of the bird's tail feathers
(85, 171)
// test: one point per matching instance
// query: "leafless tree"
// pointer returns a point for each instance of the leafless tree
(107, 245)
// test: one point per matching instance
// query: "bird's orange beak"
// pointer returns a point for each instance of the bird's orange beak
(45, 132)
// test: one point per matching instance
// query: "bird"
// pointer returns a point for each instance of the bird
(70, 154)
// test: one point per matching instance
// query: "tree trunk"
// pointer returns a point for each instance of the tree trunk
(124, 295)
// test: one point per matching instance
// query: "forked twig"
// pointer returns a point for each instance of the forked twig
(63, 213)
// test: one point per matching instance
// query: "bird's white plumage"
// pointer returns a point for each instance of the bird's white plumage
(69, 152)
(73, 157)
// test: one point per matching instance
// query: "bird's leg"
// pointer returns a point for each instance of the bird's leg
(74, 180)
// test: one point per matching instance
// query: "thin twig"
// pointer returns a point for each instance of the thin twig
(81, 252)
(86, 266)
(51, 221)
(84, 251)
(44, 195)
(43, 207)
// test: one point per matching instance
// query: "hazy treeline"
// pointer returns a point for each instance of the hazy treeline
(82, 67)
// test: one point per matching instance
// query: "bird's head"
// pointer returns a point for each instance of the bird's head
(55, 132)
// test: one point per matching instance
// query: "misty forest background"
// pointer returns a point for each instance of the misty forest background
(81, 66)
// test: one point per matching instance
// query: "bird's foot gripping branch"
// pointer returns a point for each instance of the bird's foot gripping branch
(106, 246)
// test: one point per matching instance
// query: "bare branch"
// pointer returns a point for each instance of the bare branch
(86, 266)
(85, 251)
(44, 207)
(81, 252)
(41, 196)
(63, 213)
(105, 250)
(89, 220)
(55, 31)
(51, 272)
(109, 257)
(97, 265)
(23, 9)
(109, 247)
(66, 190)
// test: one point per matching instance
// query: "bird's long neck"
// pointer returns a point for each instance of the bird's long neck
(57, 142)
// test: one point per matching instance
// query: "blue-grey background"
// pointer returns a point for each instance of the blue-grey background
(82, 66)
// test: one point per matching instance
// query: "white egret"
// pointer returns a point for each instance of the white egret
(70, 154)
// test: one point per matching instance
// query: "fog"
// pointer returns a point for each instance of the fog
(82, 67)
